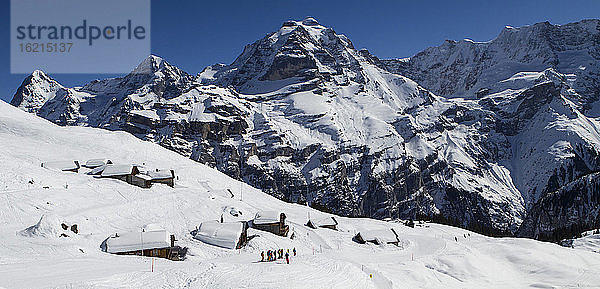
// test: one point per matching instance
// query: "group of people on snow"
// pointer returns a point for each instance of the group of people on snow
(273, 255)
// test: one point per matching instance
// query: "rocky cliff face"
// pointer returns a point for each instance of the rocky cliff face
(306, 117)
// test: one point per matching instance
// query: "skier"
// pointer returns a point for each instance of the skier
(455, 239)
(294, 251)
(262, 256)
(287, 258)
(268, 255)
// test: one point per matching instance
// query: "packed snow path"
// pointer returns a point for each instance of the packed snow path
(428, 256)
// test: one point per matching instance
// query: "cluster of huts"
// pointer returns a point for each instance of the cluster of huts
(153, 241)
(133, 174)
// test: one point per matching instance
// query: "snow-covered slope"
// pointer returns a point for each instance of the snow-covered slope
(32, 254)
(304, 116)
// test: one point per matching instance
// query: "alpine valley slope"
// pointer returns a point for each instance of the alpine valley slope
(428, 256)
(304, 116)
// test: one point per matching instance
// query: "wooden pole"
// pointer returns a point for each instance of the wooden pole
(152, 264)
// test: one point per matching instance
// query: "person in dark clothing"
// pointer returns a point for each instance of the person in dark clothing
(294, 251)
(287, 258)
(262, 256)
(455, 239)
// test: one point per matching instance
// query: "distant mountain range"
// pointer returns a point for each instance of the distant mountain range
(501, 137)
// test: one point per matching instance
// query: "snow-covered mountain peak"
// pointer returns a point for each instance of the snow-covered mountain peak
(153, 75)
(39, 74)
(35, 90)
(298, 51)
(310, 21)
(149, 65)
(309, 24)
(472, 69)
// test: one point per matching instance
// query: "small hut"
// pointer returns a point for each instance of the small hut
(227, 235)
(65, 166)
(162, 177)
(94, 163)
(271, 221)
(149, 242)
(378, 237)
(128, 173)
(329, 223)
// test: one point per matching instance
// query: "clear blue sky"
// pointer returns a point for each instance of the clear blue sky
(194, 34)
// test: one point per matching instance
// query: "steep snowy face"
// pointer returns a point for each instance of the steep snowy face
(35, 90)
(153, 78)
(104, 103)
(43, 95)
(466, 68)
(300, 50)
(307, 52)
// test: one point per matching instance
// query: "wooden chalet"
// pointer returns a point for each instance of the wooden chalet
(271, 221)
(162, 177)
(378, 237)
(150, 243)
(230, 235)
(329, 223)
(135, 175)
(127, 173)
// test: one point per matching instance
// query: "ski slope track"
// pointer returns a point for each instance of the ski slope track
(32, 255)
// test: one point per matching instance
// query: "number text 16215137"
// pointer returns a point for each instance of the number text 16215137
(50, 47)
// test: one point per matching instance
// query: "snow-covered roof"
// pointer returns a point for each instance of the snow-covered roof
(97, 170)
(224, 235)
(382, 236)
(132, 241)
(61, 165)
(266, 217)
(93, 163)
(327, 221)
(144, 176)
(117, 170)
(160, 174)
